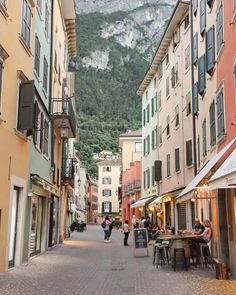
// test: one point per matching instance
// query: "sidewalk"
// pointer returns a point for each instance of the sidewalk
(85, 265)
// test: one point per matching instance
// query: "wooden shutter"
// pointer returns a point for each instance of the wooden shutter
(189, 156)
(168, 164)
(148, 113)
(195, 48)
(102, 207)
(167, 125)
(153, 138)
(210, 50)
(220, 114)
(41, 132)
(173, 77)
(219, 24)
(144, 179)
(26, 107)
(181, 207)
(152, 106)
(234, 5)
(110, 207)
(148, 178)
(195, 99)
(36, 127)
(212, 124)
(144, 117)
(153, 175)
(202, 16)
(158, 170)
(177, 163)
(204, 138)
(201, 75)
(148, 144)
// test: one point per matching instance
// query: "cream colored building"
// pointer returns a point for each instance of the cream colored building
(168, 83)
(108, 183)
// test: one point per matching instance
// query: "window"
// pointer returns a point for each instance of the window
(45, 74)
(177, 161)
(106, 192)
(195, 48)
(202, 16)
(176, 116)
(26, 23)
(41, 131)
(188, 103)
(36, 133)
(106, 207)
(210, 50)
(160, 135)
(148, 178)
(168, 165)
(144, 147)
(46, 21)
(189, 155)
(168, 125)
(106, 169)
(204, 142)
(220, 114)
(176, 38)
(144, 180)
(160, 71)
(45, 143)
(220, 28)
(187, 57)
(174, 75)
(167, 86)
(153, 175)
(186, 22)
(148, 113)
(195, 99)
(138, 147)
(195, 7)
(155, 83)
(106, 180)
(154, 138)
(155, 103)
(167, 59)
(146, 95)
(144, 117)
(212, 124)
(1, 74)
(202, 75)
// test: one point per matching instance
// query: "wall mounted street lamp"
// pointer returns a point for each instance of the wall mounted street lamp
(64, 130)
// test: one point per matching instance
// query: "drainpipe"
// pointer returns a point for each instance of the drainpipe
(193, 115)
(50, 84)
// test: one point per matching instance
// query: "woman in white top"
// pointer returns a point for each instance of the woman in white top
(207, 233)
(126, 230)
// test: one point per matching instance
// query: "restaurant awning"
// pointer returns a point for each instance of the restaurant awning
(141, 202)
(205, 170)
(225, 176)
(156, 201)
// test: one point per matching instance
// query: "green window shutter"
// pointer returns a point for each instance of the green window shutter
(212, 124)
(201, 75)
(195, 99)
(148, 178)
(144, 179)
(110, 207)
(148, 144)
(168, 164)
(144, 147)
(153, 175)
(202, 16)
(177, 162)
(153, 139)
(210, 50)
(198, 152)
(153, 100)
(102, 207)
(26, 107)
(189, 154)
(220, 28)
(195, 48)
(204, 138)
(234, 5)
(148, 113)
(220, 114)
(144, 117)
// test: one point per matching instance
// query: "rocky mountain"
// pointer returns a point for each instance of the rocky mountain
(116, 40)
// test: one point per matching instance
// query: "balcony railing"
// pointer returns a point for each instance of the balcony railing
(67, 170)
(62, 111)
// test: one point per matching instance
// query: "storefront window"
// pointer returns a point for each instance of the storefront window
(36, 225)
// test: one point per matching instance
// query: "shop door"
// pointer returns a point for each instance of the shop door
(36, 225)
(223, 227)
(53, 222)
(182, 224)
(13, 227)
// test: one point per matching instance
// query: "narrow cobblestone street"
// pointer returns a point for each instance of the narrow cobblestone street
(85, 265)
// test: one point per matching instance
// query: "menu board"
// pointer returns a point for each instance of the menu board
(140, 238)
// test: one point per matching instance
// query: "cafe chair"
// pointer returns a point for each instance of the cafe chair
(162, 256)
(155, 252)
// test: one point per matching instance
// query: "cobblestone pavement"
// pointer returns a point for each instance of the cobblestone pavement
(84, 265)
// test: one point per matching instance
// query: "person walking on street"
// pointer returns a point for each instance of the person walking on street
(110, 229)
(126, 230)
(106, 227)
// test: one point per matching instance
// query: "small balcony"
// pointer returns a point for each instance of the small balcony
(67, 173)
(63, 114)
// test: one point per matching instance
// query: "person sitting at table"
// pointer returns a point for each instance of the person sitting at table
(198, 228)
(206, 236)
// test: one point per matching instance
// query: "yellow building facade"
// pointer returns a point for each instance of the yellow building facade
(16, 58)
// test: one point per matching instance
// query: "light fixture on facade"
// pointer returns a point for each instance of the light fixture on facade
(64, 130)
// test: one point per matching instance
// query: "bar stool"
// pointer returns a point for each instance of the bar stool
(179, 248)
(155, 252)
(204, 258)
(162, 249)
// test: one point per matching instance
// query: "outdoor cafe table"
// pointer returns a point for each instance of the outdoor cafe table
(180, 240)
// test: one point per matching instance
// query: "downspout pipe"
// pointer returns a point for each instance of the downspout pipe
(50, 84)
